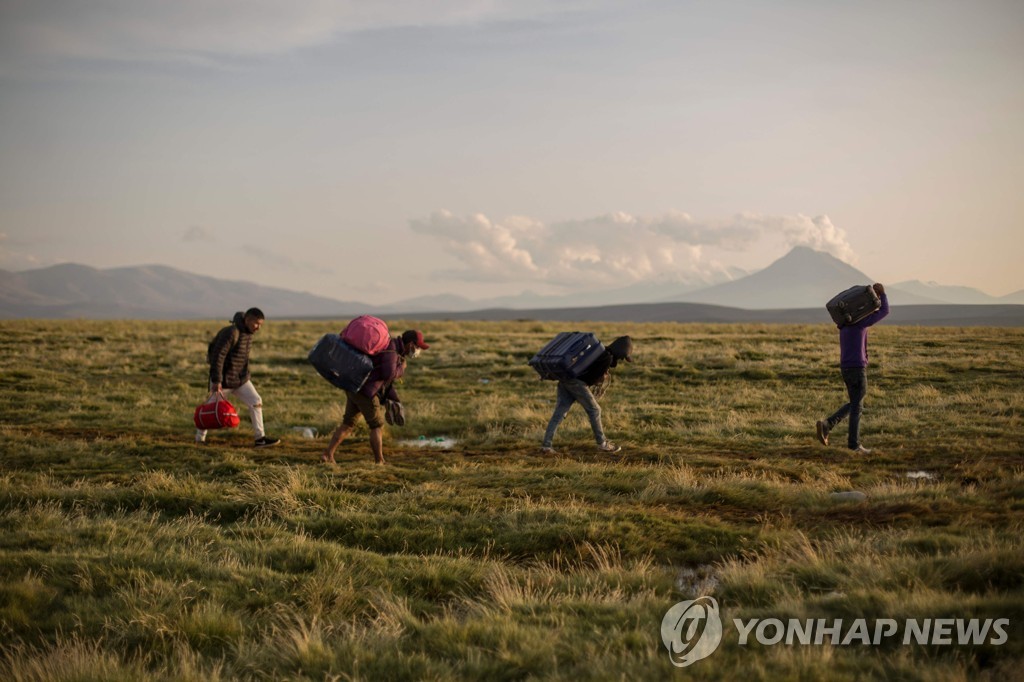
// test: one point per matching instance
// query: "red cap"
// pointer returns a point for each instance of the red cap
(414, 337)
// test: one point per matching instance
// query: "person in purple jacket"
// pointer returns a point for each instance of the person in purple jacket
(388, 366)
(853, 362)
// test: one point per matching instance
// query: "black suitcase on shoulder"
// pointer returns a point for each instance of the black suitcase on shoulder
(853, 305)
(340, 363)
(567, 356)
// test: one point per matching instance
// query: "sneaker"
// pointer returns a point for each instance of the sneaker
(266, 442)
(860, 450)
(548, 450)
(608, 446)
(822, 428)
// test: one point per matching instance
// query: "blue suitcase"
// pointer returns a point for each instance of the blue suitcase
(567, 356)
(853, 305)
(340, 363)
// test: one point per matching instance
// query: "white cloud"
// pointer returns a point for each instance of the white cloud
(201, 29)
(501, 250)
(817, 233)
(616, 249)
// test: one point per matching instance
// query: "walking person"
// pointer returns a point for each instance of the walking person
(853, 362)
(581, 390)
(228, 356)
(388, 366)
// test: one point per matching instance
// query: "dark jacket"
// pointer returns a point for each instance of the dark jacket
(853, 339)
(619, 349)
(388, 365)
(593, 374)
(229, 354)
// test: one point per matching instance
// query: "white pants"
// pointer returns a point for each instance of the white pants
(248, 395)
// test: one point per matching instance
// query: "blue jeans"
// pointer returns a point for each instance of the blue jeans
(856, 379)
(569, 392)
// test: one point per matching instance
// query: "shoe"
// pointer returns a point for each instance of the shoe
(822, 428)
(548, 450)
(860, 450)
(266, 442)
(608, 446)
(200, 441)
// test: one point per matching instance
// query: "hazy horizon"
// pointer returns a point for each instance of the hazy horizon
(383, 151)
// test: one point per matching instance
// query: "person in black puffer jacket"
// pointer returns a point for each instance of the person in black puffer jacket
(582, 390)
(228, 356)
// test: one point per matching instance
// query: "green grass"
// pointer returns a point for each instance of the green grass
(126, 552)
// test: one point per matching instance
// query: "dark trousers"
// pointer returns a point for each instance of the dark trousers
(856, 379)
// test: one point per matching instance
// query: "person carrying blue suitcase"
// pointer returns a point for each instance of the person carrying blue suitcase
(853, 362)
(581, 390)
(370, 400)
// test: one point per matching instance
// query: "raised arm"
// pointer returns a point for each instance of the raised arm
(879, 314)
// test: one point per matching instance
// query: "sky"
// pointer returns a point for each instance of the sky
(388, 149)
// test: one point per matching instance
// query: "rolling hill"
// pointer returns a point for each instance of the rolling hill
(150, 292)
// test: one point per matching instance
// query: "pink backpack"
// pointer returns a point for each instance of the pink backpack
(366, 334)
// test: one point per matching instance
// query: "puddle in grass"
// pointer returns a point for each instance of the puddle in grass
(441, 442)
(921, 475)
(848, 496)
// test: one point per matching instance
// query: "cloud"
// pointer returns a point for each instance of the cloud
(616, 249)
(195, 233)
(198, 29)
(817, 233)
(503, 250)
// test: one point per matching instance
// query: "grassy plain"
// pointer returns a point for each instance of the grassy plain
(128, 553)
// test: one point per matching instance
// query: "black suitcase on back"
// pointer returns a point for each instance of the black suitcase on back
(567, 356)
(853, 305)
(340, 363)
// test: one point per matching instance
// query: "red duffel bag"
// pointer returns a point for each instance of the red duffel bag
(216, 413)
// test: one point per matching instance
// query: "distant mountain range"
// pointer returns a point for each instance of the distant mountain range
(657, 290)
(802, 279)
(149, 292)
